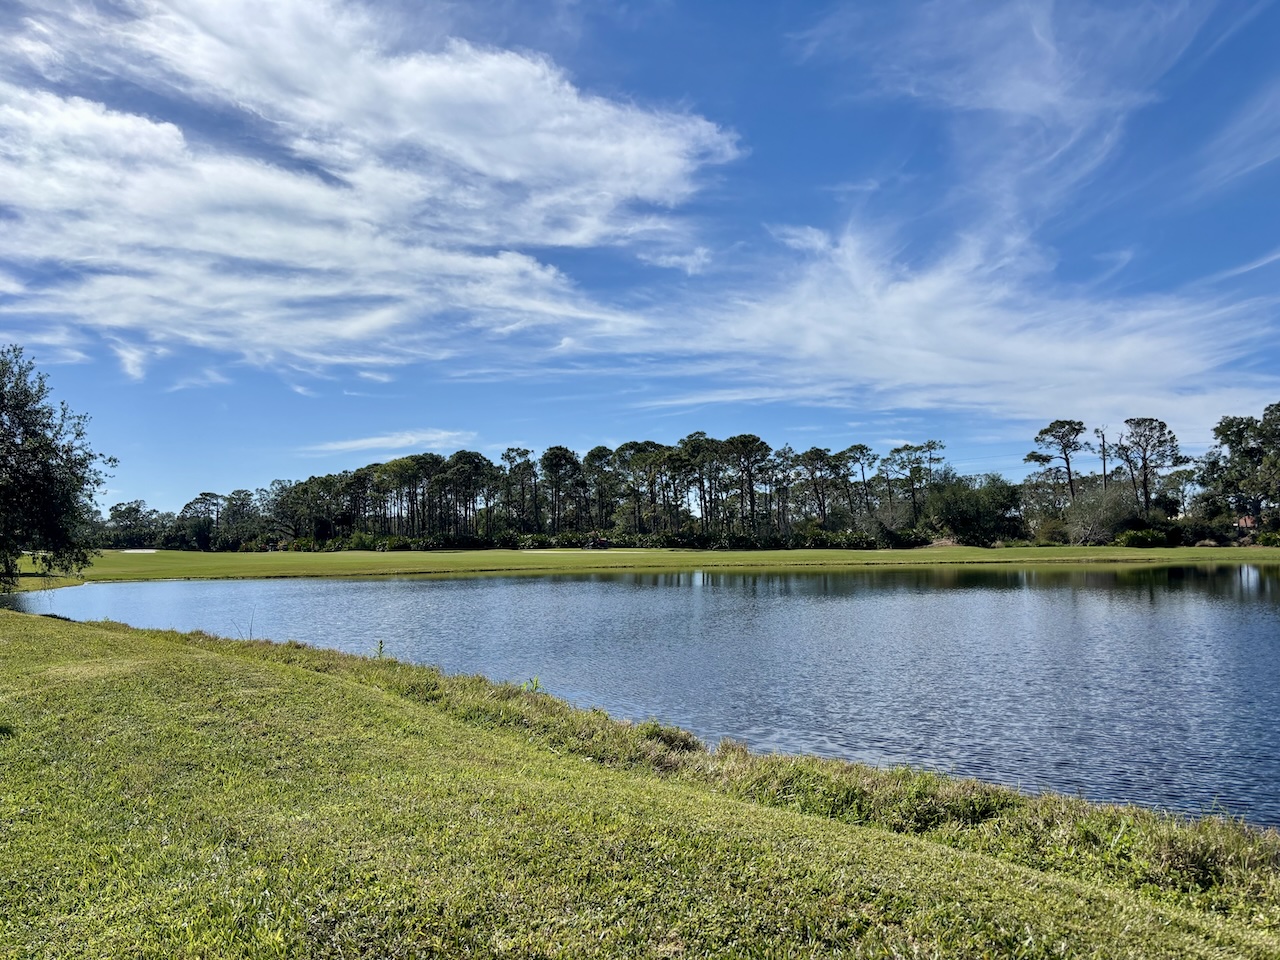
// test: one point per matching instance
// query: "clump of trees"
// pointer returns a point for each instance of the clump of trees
(1148, 492)
(740, 492)
(48, 475)
(1240, 476)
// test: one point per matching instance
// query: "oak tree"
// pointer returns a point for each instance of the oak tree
(48, 475)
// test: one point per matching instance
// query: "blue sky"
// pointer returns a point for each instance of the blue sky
(259, 241)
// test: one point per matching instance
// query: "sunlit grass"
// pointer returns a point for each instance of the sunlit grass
(165, 795)
(119, 565)
(29, 580)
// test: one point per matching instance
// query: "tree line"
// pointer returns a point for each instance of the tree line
(1132, 486)
(700, 492)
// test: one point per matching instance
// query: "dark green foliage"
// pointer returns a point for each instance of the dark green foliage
(1241, 475)
(904, 539)
(1146, 448)
(1194, 529)
(977, 512)
(1052, 531)
(1148, 538)
(48, 475)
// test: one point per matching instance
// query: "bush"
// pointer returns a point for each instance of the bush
(906, 539)
(854, 540)
(1143, 538)
(362, 541)
(1198, 529)
(1268, 540)
(1052, 531)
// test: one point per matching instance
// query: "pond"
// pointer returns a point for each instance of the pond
(1152, 685)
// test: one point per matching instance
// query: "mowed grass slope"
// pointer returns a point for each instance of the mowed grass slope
(171, 796)
(117, 565)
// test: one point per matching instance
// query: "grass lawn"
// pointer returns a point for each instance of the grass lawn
(179, 796)
(35, 581)
(118, 565)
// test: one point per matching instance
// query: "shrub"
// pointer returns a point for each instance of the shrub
(362, 541)
(1142, 538)
(906, 539)
(508, 540)
(1052, 531)
(1198, 529)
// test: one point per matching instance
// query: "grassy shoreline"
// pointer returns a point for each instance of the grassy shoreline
(176, 565)
(168, 794)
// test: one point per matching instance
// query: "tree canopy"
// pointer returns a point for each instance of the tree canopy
(48, 475)
(1243, 470)
(1060, 440)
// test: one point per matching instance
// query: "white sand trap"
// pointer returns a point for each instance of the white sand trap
(137, 551)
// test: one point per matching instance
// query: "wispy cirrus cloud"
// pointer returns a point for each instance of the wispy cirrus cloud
(428, 439)
(52, 344)
(1249, 141)
(961, 308)
(690, 263)
(980, 331)
(208, 377)
(1268, 259)
(1034, 94)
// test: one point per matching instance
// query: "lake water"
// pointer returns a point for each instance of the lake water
(1159, 686)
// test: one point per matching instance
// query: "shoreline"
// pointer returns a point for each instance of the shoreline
(185, 565)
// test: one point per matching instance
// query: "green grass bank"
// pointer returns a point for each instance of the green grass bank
(168, 564)
(166, 795)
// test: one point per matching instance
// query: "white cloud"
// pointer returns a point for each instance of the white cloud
(976, 332)
(1249, 141)
(398, 206)
(133, 358)
(457, 138)
(50, 343)
(691, 263)
(1259, 263)
(430, 439)
(385, 224)
(208, 377)
(1057, 63)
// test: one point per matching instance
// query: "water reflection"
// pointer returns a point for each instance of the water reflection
(1159, 685)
